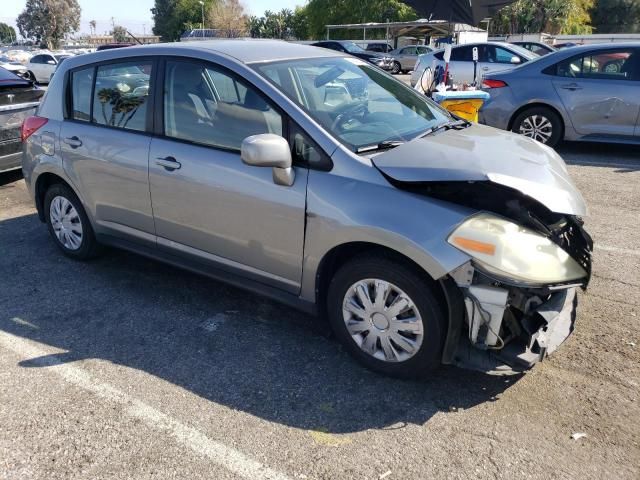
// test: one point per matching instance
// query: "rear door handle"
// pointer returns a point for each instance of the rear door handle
(571, 86)
(73, 142)
(169, 163)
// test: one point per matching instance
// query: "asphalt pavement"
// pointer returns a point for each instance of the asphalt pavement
(124, 368)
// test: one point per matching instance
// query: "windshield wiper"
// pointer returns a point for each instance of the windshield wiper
(458, 125)
(385, 144)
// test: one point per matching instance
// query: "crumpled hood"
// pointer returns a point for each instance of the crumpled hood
(480, 153)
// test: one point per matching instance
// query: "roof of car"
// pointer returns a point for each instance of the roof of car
(247, 50)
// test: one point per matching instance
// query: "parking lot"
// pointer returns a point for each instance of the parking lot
(127, 368)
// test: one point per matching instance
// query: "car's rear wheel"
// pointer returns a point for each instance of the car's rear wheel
(385, 314)
(541, 124)
(68, 223)
(396, 68)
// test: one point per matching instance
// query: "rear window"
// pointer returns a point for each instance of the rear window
(81, 84)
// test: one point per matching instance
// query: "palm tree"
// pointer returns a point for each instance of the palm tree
(92, 26)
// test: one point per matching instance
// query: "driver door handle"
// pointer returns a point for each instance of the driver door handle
(169, 163)
(571, 86)
(73, 142)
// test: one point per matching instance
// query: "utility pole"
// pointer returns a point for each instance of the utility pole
(202, 24)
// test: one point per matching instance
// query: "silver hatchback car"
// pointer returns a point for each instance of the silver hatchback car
(319, 180)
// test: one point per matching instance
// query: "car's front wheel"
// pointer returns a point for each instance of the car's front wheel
(541, 124)
(385, 313)
(396, 68)
(68, 223)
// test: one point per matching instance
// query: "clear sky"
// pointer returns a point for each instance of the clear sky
(134, 15)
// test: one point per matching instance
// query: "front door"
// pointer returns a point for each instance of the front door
(105, 147)
(209, 205)
(600, 91)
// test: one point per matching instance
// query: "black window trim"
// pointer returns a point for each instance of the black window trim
(68, 103)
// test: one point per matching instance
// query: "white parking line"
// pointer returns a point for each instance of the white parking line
(628, 251)
(229, 458)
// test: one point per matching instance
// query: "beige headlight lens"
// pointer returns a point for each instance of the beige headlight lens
(510, 250)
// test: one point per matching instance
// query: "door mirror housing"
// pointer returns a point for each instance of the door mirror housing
(269, 150)
(515, 60)
(51, 62)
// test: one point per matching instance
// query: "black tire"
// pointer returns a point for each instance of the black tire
(412, 282)
(89, 247)
(557, 125)
(32, 77)
(396, 68)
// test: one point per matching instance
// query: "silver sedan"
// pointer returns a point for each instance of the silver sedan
(586, 93)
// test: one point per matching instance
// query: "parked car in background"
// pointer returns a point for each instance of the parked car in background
(14, 67)
(405, 58)
(110, 46)
(492, 57)
(536, 47)
(19, 99)
(381, 47)
(42, 65)
(310, 176)
(351, 48)
(588, 93)
(562, 46)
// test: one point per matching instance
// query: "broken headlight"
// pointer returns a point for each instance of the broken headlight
(508, 250)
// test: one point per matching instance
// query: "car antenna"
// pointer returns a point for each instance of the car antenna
(134, 37)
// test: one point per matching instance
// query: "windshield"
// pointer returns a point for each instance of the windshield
(356, 102)
(352, 47)
(62, 58)
(523, 52)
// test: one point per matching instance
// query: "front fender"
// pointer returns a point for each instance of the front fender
(343, 210)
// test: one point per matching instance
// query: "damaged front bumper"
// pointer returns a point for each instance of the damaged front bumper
(508, 329)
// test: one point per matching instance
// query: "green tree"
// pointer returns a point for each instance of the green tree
(616, 16)
(549, 16)
(326, 12)
(172, 17)
(48, 21)
(7, 33)
(120, 34)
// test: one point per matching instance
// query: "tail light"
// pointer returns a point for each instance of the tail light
(30, 125)
(490, 83)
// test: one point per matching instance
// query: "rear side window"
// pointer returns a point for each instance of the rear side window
(209, 106)
(623, 64)
(462, 54)
(81, 85)
(121, 95)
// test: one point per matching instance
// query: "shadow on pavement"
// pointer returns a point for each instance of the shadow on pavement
(221, 343)
(625, 158)
(9, 177)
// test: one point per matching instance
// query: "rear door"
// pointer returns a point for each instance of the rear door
(600, 90)
(207, 203)
(408, 56)
(461, 64)
(105, 145)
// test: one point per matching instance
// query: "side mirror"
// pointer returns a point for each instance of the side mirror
(269, 150)
(515, 60)
(51, 62)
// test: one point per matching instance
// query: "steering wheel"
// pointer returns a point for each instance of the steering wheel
(347, 112)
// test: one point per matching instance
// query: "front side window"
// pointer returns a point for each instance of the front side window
(621, 64)
(500, 55)
(355, 102)
(210, 106)
(37, 59)
(81, 85)
(121, 95)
